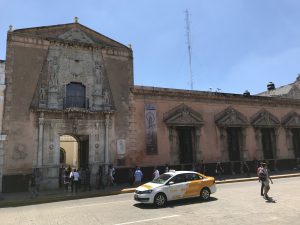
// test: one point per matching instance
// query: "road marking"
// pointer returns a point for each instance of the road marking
(140, 221)
(93, 204)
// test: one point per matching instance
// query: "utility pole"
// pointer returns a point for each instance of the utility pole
(189, 45)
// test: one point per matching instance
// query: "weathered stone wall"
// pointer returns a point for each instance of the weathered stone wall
(40, 64)
(208, 105)
(24, 60)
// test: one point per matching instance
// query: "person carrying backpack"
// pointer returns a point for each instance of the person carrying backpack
(266, 179)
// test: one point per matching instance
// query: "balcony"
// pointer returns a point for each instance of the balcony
(76, 102)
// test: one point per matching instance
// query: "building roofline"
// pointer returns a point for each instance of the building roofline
(23, 30)
(207, 95)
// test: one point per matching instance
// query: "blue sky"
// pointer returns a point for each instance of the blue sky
(237, 45)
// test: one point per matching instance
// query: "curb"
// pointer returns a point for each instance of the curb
(256, 179)
(48, 199)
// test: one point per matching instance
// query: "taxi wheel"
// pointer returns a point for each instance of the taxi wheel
(160, 200)
(205, 194)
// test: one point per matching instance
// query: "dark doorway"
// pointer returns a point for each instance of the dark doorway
(234, 140)
(186, 146)
(268, 142)
(296, 142)
(75, 95)
(83, 152)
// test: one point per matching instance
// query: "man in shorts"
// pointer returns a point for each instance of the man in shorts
(266, 181)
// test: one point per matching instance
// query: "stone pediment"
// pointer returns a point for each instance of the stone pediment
(182, 115)
(71, 32)
(231, 118)
(77, 35)
(264, 119)
(291, 120)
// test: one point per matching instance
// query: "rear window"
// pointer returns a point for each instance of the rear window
(162, 179)
(192, 176)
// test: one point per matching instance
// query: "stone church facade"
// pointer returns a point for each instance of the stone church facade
(70, 80)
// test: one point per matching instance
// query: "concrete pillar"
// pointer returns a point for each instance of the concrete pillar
(41, 141)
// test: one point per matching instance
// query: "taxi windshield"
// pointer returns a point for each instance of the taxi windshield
(161, 179)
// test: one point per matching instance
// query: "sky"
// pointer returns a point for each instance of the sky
(236, 45)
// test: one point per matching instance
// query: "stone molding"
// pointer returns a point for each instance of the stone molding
(183, 115)
(291, 120)
(231, 118)
(263, 118)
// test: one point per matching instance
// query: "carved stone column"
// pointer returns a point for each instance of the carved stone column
(244, 150)
(106, 154)
(224, 145)
(289, 142)
(198, 150)
(40, 141)
(259, 151)
(173, 145)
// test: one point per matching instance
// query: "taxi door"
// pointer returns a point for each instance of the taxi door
(176, 187)
(194, 185)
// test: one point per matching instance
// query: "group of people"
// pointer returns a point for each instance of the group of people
(76, 179)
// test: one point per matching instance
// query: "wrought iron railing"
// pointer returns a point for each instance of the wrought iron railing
(76, 102)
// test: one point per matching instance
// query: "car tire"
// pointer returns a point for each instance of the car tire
(160, 200)
(205, 194)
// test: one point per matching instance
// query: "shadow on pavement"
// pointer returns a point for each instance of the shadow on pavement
(176, 203)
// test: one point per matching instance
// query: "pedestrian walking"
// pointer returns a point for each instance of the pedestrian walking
(260, 178)
(138, 176)
(219, 169)
(266, 179)
(111, 174)
(155, 173)
(76, 179)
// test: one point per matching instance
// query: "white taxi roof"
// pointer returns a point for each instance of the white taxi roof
(174, 172)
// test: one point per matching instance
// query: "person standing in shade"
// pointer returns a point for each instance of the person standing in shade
(138, 176)
(155, 173)
(130, 177)
(32, 187)
(166, 168)
(66, 178)
(76, 179)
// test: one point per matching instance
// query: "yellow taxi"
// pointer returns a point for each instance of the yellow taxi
(175, 185)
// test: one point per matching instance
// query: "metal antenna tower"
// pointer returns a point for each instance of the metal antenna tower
(189, 45)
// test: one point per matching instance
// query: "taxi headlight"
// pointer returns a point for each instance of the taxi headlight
(147, 192)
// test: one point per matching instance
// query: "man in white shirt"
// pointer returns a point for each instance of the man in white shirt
(155, 173)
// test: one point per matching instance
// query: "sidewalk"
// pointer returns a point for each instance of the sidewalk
(23, 198)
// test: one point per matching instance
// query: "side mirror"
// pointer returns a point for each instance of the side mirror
(171, 182)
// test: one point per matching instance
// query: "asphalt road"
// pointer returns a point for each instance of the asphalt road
(235, 203)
